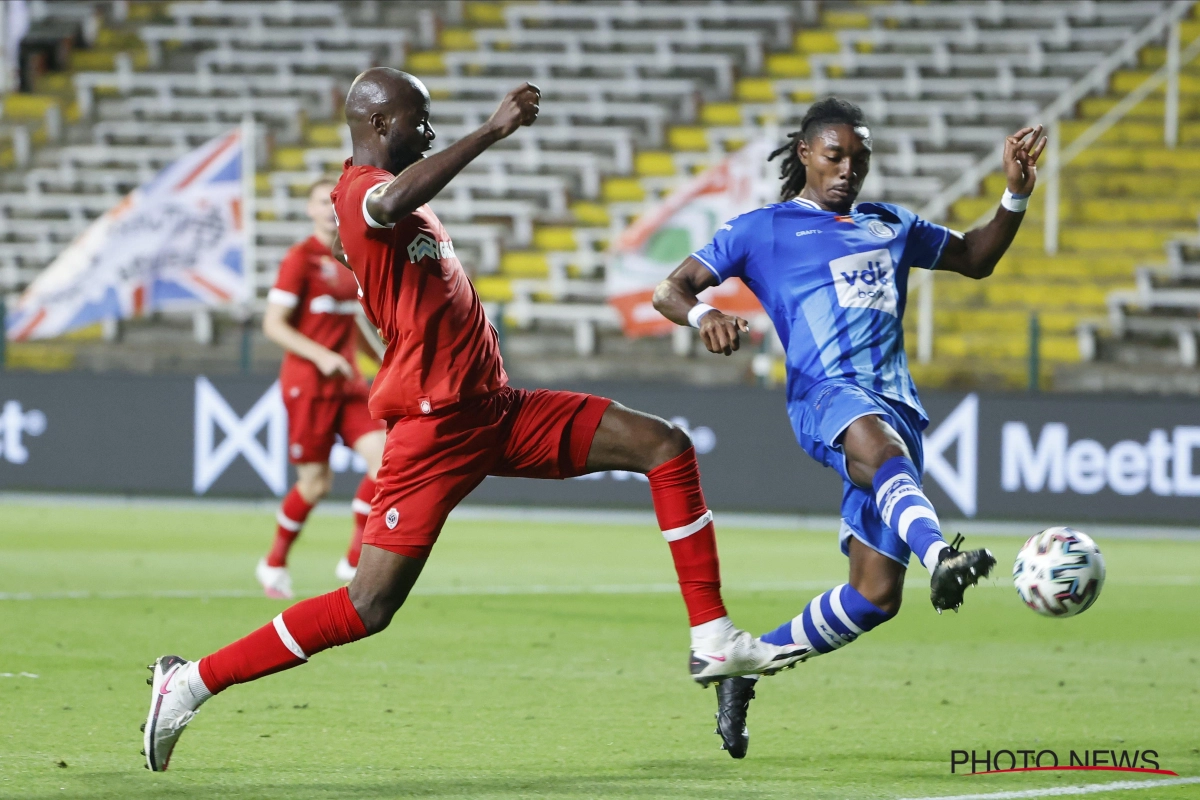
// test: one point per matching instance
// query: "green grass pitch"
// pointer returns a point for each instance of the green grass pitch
(549, 660)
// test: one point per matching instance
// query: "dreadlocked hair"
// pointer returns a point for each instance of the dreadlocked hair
(820, 115)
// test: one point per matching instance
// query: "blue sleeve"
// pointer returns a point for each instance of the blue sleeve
(925, 243)
(725, 255)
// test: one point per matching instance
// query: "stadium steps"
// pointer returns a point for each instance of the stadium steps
(655, 169)
(1121, 201)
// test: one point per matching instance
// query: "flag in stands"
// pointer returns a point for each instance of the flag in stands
(660, 239)
(174, 243)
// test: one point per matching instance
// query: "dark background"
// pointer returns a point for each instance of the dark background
(134, 435)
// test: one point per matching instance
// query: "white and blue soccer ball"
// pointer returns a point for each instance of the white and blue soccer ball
(1059, 572)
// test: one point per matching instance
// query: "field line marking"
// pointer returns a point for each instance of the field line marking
(1060, 791)
(532, 589)
(518, 590)
(429, 591)
(596, 516)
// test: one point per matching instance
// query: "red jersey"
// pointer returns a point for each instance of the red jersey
(323, 296)
(441, 348)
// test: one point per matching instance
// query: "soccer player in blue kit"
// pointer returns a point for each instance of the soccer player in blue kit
(833, 277)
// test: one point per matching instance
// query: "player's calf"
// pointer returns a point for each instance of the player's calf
(830, 621)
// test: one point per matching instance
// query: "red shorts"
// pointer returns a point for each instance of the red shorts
(430, 463)
(314, 421)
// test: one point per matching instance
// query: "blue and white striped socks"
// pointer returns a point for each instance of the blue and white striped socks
(830, 621)
(904, 508)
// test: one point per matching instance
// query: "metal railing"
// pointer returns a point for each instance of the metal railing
(968, 183)
(1168, 73)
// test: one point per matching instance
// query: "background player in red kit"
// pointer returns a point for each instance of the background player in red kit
(453, 420)
(311, 315)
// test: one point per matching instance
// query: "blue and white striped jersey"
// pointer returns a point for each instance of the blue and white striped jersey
(834, 285)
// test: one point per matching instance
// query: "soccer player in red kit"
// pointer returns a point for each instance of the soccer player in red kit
(311, 315)
(452, 420)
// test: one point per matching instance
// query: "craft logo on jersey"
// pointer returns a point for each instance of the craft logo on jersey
(15, 424)
(425, 245)
(865, 280)
(880, 229)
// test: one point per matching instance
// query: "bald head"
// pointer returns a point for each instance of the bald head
(388, 114)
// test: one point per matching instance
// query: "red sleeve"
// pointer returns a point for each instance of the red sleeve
(291, 280)
(350, 204)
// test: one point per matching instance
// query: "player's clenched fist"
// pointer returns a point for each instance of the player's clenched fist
(518, 108)
(721, 333)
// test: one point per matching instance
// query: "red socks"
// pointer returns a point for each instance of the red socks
(687, 525)
(291, 516)
(289, 640)
(361, 506)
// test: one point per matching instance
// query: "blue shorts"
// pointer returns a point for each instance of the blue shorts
(819, 420)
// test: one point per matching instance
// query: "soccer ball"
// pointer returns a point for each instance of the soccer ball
(1059, 572)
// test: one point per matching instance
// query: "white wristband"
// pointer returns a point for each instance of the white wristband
(1014, 202)
(698, 311)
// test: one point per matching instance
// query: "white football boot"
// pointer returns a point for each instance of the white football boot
(741, 654)
(343, 571)
(276, 582)
(172, 706)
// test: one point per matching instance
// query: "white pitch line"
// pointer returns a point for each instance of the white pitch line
(1060, 791)
(453, 591)
(524, 590)
(595, 516)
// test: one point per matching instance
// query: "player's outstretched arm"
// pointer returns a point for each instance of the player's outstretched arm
(976, 253)
(420, 183)
(676, 299)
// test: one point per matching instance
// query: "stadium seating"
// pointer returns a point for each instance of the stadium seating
(638, 97)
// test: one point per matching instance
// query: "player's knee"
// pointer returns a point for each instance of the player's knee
(884, 595)
(374, 609)
(890, 604)
(671, 441)
(315, 487)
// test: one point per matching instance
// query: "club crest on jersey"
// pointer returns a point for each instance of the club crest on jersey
(329, 269)
(865, 280)
(881, 229)
(391, 518)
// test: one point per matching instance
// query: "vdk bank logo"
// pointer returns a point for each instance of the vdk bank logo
(241, 437)
(15, 424)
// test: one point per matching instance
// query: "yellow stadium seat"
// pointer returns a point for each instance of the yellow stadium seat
(485, 14)
(623, 190)
(493, 288)
(687, 137)
(788, 65)
(756, 90)
(457, 39)
(524, 264)
(654, 163)
(721, 114)
(845, 19)
(425, 63)
(818, 41)
(554, 238)
(590, 213)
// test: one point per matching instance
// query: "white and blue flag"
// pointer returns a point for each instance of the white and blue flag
(174, 243)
